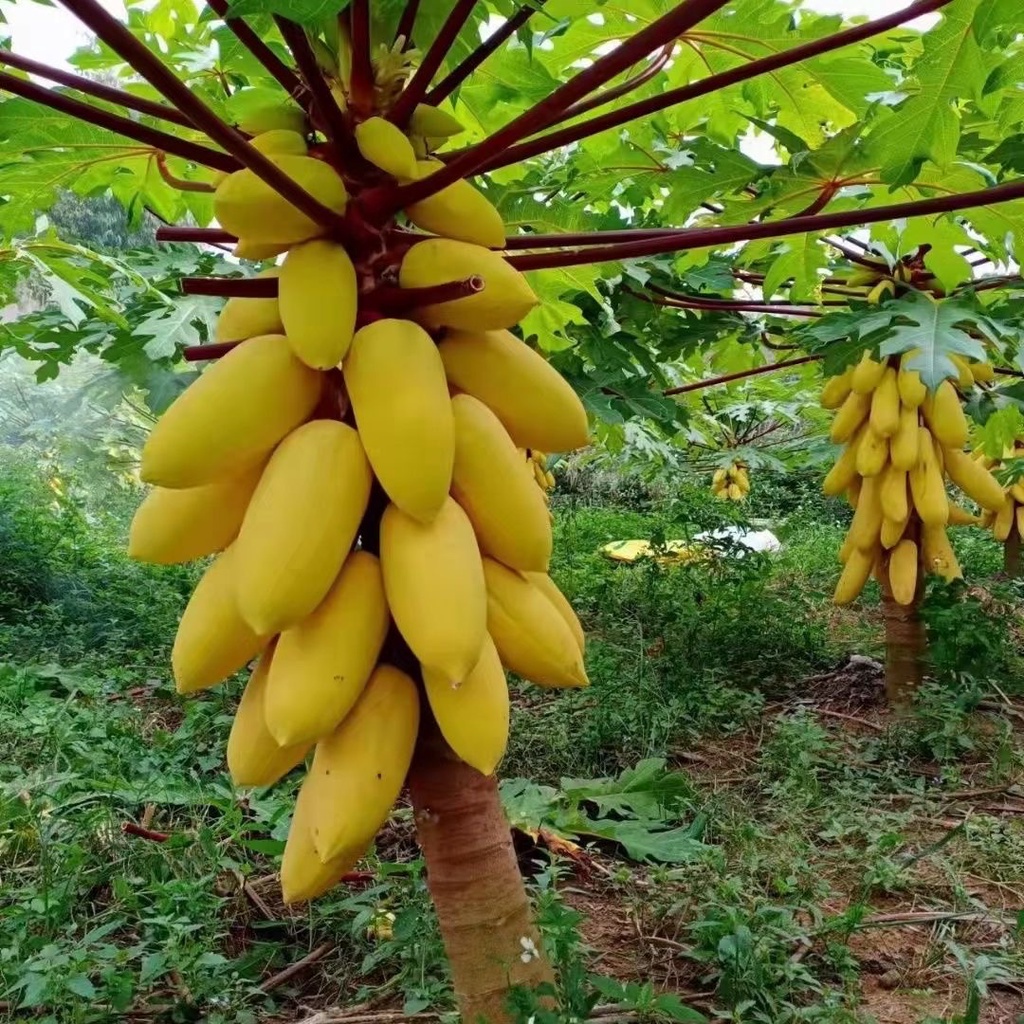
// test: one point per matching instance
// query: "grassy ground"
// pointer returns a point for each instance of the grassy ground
(828, 861)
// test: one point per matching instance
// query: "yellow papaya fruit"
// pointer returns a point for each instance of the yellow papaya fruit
(473, 716)
(852, 413)
(853, 491)
(318, 301)
(258, 251)
(360, 768)
(172, 526)
(892, 532)
(885, 405)
(867, 375)
(854, 575)
(280, 142)
(836, 390)
(248, 207)
(959, 516)
(983, 371)
(535, 404)
(396, 382)
(903, 572)
(903, 448)
(496, 490)
(433, 122)
(965, 378)
(434, 583)
(893, 494)
(230, 417)
(532, 638)
(322, 664)
(1004, 521)
(506, 297)
(926, 485)
(1017, 492)
(912, 389)
(872, 453)
(254, 757)
(547, 586)
(385, 146)
(842, 473)
(974, 480)
(457, 211)
(303, 875)
(867, 519)
(1019, 518)
(213, 640)
(938, 554)
(270, 117)
(300, 524)
(243, 318)
(945, 416)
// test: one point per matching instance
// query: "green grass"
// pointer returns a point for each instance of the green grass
(811, 824)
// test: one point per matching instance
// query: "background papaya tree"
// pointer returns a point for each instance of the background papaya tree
(711, 161)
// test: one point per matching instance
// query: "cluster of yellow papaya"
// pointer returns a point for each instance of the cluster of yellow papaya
(902, 444)
(354, 471)
(1010, 515)
(731, 483)
(538, 463)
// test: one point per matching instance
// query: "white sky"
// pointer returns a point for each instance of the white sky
(51, 34)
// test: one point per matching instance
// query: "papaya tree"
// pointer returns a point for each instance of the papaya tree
(438, 175)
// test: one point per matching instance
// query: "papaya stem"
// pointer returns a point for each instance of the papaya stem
(493, 42)
(361, 79)
(123, 126)
(200, 353)
(231, 287)
(96, 89)
(711, 382)
(286, 78)
(695, 238)
(502, 156)
(623, 89)
(407, 23)
(654, 36)
(386, 297)
(417, 86)
(187, 233)
(181, 184)
(722, 305)
(330, 116)
(117, 36)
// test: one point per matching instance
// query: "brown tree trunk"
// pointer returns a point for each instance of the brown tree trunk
(906, 644)
(474, 880)
(1011, 554)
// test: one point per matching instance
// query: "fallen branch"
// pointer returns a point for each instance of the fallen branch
(131, 829)
(297, 968)
(850, 718)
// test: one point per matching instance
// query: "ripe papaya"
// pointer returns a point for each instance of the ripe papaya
(232, 415)
(974, 479)
(385, 146)
(903, 572)
(504, 301)
(318, 302)
(243, 318)
(457, 211)
(300, 524)
(396, 382)
(535, 404)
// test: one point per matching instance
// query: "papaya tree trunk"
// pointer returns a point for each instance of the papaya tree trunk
(906, 643)
(1011, 554)
(474, 880)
